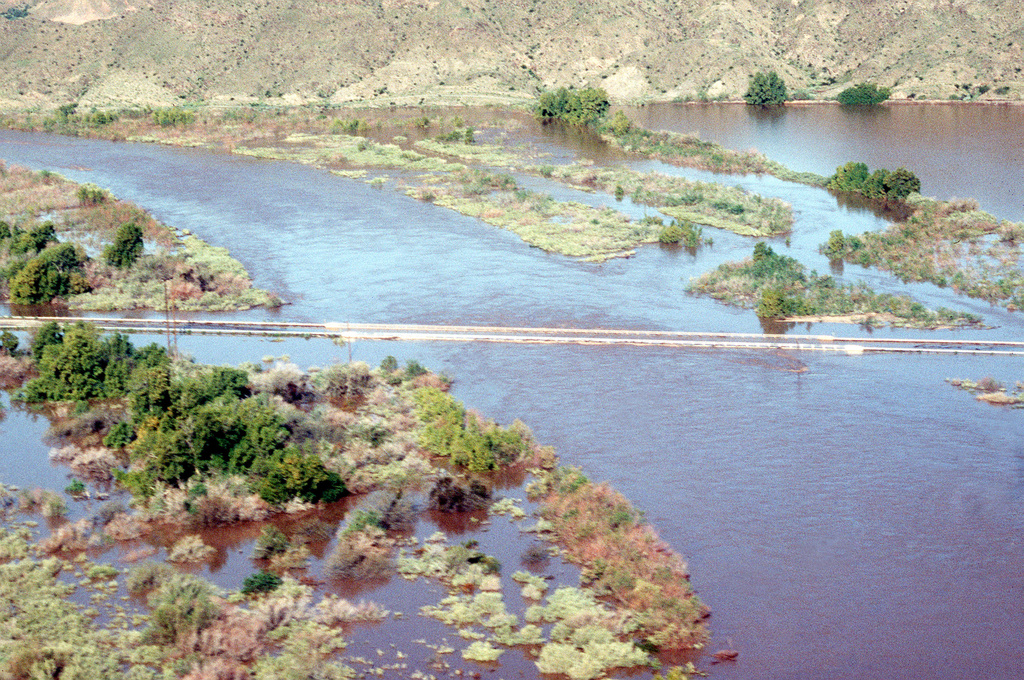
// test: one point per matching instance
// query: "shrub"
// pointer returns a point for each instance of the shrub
(120, 435)
(864, 94)
(261, 582)
(173, 117)
(182, 606)
(126, 248)
(673, 233)
(447, 495)
(766, 89)
(90, 194)
(361, 554)
(272, 541)
(346, 382)
(296, 472)
(190, 549)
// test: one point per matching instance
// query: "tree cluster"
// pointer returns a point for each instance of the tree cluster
(178, 425)
(864, 94)
(36, 268)
(766, 89)
(881, 184)
(584, 107)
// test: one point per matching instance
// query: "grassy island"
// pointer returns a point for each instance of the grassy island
(202, 446)
(779, 287)
(948, 243)
(79, 246)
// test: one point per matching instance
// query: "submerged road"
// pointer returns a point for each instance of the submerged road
(527, 335)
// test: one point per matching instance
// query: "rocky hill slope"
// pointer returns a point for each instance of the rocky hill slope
(118, 52)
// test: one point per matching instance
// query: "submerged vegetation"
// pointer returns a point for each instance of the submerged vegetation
(948, 243)
(51, 226)
(202, 445)
(991, 391)
(779, 287)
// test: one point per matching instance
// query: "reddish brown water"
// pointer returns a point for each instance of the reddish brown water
(861, 519)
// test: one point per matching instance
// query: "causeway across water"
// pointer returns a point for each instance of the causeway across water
(527, 335)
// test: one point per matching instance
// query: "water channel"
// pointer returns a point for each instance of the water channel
(858, 519)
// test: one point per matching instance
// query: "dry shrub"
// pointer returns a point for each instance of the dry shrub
(431, 380)
(139, 554)
(190, 549)
(451, 496)
(147, 576)
(94, 421)
(236, 634)
(361, 554)
(989, 384)
(231, 284)
(124, 527)
(218, 669)
(93, 463)
(284, 380)
(958, 205)
(15, 371)
(68, 538)
(624, 557)
(180, 289)
(226, 501)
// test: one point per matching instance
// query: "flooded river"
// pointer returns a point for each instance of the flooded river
(858, 519)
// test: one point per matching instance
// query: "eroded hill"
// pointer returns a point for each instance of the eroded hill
(118, 52)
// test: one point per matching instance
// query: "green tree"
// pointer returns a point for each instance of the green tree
(900, 183)
(8, 342)
(49, 333)
(864, 94)
(126, 248)
(766, 89)
(573, 107)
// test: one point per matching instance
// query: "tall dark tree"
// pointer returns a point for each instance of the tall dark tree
(766, 89)
(126, 248)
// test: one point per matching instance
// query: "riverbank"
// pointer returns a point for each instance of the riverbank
(77, 246)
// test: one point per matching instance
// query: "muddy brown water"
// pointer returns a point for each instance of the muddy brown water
(858, 519)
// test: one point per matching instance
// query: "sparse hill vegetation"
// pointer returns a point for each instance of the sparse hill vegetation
(488, 52)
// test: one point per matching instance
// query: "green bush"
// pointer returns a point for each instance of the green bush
(766, 89)
(673, 233)
(261, 582)
(881, 184)
(181, 607)
(126, 248)
(90, 194)
(574, 107)
(864, 94)
(173, 117)
(295, 472)
(271, 541)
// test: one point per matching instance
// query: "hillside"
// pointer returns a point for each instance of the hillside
(118, 52)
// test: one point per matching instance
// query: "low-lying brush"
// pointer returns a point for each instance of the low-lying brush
(622, 557)
(778, 286)
(715, 205)
(948, 243)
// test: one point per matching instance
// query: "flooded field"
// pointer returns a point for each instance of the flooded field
(859, 518)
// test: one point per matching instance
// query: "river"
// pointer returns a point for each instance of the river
(858, 519)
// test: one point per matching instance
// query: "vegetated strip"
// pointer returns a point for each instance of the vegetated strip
(779, 287)
(691, 151)
(948, 243)
(711, 204)
(141, 263)
(212, 445)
